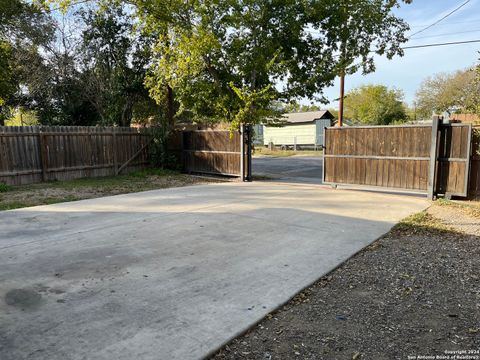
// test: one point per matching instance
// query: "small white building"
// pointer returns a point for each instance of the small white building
(300, 129)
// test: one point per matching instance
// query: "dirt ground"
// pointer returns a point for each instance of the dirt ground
(262, 151)
(415, 292)
(13, 197)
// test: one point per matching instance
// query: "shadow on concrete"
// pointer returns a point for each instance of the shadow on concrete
(174, 273)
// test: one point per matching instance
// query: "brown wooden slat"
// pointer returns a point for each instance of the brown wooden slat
(213, 151)
(68, 152)
(378, 156)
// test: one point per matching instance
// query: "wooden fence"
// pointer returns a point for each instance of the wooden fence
(213, 152)
(30, 154)
(474, 185)
(401, 157)
(453, 159)
(395, 157)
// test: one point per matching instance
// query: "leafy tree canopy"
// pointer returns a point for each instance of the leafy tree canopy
(23, 28)
(375, 104)
(449, 92)
(83, 67)
(294, 107)
(233, 59)
(113, 65)
(8, 83)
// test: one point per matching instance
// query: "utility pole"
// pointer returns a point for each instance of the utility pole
(340, 103)
(343, 61)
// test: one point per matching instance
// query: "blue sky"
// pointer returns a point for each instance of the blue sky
(407, 72)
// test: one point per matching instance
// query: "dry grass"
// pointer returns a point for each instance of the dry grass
(471, 208)
(14, 197)
(261, 151)
(420, 223)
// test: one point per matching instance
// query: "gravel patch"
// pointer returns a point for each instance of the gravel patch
(462, 218)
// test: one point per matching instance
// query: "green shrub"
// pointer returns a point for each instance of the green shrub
(159, 154)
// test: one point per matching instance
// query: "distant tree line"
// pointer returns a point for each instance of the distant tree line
(443, 93)
(376, 105)
(456, 92)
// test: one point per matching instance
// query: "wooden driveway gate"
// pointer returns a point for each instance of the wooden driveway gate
(411, 157)
(217, 152)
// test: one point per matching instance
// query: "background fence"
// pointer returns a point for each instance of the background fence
(31, 154)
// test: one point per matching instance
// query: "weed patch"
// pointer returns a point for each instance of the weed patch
(5, 187)
(419, 223)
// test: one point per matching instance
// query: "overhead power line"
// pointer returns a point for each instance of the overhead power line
(441, 19)
(441, 44)
(450, 23)
(447, 34)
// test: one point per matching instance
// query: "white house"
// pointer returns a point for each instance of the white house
(300, 129)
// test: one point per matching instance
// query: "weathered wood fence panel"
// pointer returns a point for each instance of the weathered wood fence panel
(212, 152)
(30, 154)
(394, 156)
(474, 184)
(400, 157)
(453, 157)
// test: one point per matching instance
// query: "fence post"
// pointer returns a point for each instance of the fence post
(242, 152)
(433, 158)
(42, 144)
(249, 153)
(114, 151)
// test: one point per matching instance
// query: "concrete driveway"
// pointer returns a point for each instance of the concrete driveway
(175, 273)
(298, 169)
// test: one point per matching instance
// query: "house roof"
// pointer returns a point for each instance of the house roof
(306, 117)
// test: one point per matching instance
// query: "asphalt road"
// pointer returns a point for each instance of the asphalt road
(297, 169)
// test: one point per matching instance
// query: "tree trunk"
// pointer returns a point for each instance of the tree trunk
(170, 109)
(2, 120)
(127, 114)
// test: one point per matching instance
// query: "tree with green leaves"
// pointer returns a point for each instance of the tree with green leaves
(113, 64)
(235, 60)
(475, 105)
(357, 30)
(295, 107)
(23, 28)
(90, 70)
(449, 92)
(8, 82)
(231, 60)
(375, 105)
